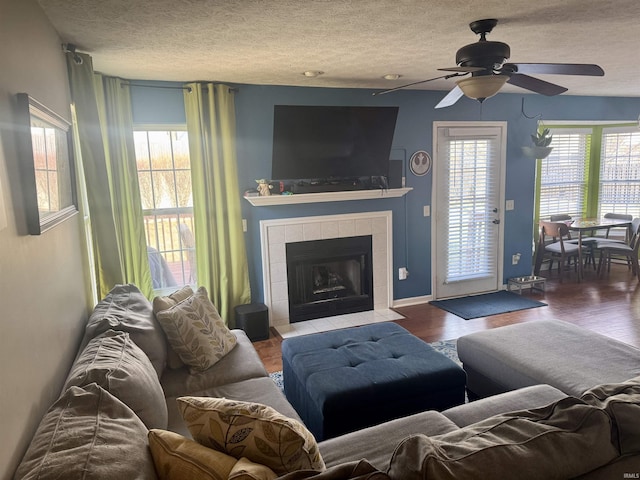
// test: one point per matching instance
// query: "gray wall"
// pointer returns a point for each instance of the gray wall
(42, 287)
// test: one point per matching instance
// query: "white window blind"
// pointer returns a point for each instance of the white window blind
(563, 179)
(620, 171)
(472, 183)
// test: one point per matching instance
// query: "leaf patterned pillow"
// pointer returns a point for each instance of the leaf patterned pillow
(196, 332)
(251, 430)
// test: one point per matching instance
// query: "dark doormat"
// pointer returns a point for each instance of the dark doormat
(485, 305)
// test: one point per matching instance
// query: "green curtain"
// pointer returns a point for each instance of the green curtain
(220, 249)
(105, 129)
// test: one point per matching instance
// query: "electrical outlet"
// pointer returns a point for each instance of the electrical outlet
(244, 225)
(426, 210)
(509, 205)
(403, 273)
(515, 259)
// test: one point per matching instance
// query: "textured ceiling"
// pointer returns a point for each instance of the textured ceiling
(355, 42)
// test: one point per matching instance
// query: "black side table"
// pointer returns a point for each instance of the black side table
(253, 318)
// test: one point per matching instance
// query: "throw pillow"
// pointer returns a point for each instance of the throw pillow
(563, 440)
(245, 469)
(179, 458)
(90, 434)
(196, 332)
(118, 365)
(251, 430)
(126, 309)
(165, 303)
(622, 402)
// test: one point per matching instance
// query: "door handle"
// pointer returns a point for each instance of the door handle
(496, 221)
(495, 210)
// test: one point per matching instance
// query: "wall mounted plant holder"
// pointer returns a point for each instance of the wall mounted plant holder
(46, 167)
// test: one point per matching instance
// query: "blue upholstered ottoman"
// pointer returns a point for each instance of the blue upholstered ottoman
(344, 380)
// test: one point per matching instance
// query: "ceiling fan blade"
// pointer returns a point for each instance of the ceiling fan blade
(535, 84)
(462, 69)
(417, 83)
(556, 68)
(450, 98)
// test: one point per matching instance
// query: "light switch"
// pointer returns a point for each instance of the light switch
(426, 210)
(510, 205)
(244, 225)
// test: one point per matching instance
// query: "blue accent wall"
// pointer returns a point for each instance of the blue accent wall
(411, 230)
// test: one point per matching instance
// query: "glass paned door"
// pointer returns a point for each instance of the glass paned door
(469, 195)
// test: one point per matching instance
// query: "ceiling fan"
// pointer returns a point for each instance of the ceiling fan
(485, 61)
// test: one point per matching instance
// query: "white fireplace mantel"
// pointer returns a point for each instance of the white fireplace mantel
(327, 197)
(275, 234)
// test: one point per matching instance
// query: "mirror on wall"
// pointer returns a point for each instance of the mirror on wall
(48, 180)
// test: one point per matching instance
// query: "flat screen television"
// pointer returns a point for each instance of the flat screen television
(325, 142)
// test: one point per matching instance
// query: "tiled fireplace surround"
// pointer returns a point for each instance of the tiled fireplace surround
(275, 234)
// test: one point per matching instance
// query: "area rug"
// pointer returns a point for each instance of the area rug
(485, 305)
(445, 347)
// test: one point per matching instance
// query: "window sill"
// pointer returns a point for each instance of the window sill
(327, 197)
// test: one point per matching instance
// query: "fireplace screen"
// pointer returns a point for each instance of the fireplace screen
(329, 277)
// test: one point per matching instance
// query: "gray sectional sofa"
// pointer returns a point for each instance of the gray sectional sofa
(120, 386)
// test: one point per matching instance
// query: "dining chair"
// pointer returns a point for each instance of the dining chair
(560, 217)
(620, 216)
(587, 242)
(560, 249)
(627, 251)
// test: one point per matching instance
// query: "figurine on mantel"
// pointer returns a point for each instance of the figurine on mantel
(264, 188)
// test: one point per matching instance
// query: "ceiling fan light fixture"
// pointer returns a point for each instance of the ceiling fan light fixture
(482, 86)
(391, 76)
(312, 73)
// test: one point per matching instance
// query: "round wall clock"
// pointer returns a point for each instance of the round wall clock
(420, 163)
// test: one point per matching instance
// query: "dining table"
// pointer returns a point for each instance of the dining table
(582, 225)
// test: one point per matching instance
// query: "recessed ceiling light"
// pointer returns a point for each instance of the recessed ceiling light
(312, 73)
(392, 76)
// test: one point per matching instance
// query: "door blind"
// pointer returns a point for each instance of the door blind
(471, 184)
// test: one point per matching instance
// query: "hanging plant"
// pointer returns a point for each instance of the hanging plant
(541, 142)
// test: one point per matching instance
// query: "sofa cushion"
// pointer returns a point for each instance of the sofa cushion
(356, 470)
(126, 309)
(261, 390)
(239, 364)
(196, 332)
(178, 458)
(521, 399)
(562, 440)
(376, 443)
(622, 402)
(118, 365)
(245, 469)
(86, 434)
(165, 303)
(251, 430)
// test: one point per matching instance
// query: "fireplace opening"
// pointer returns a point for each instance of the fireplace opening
(329, 277)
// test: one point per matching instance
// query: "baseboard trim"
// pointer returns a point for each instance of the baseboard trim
(407, 302)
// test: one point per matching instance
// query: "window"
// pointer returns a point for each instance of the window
(164, 177)
(591, 171)
(563, 180)
(620, 172)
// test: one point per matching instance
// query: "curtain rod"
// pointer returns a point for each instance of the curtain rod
(188, 89)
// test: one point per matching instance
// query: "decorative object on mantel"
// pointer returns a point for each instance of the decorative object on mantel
(541, 142)
(264, 188)
(420, 163)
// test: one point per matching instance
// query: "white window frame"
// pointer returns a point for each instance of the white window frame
(186, 252)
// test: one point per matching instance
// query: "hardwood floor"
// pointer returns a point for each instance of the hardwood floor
(609, 305)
